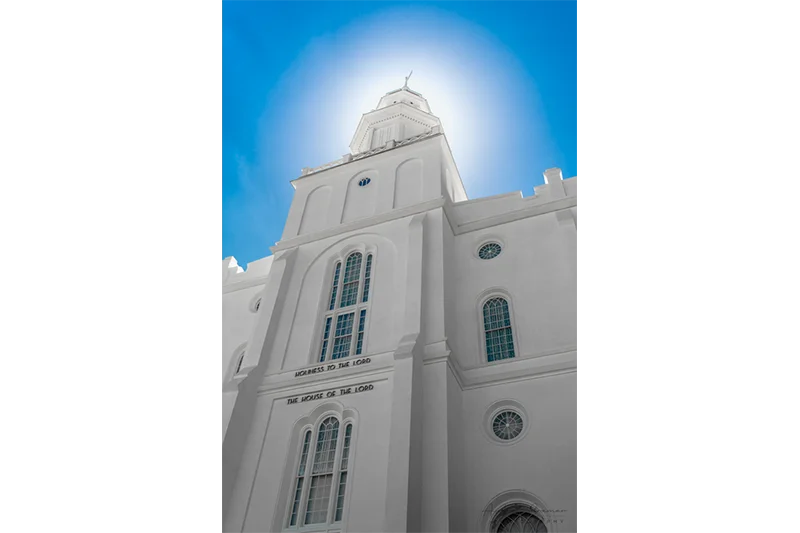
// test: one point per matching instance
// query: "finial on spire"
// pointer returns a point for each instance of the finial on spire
(405, 85)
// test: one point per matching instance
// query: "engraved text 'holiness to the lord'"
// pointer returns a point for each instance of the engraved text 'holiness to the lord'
(334, 366)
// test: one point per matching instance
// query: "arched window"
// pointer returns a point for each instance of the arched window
(232, 376)
(346, 308)
(320, 499)
(518, 511)
(520, 521)
(497, 329)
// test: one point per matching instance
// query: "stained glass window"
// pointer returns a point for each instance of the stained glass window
(352, 273)
(343, 473)
(365, 296)
(322, 472)
(335, 285)
(361, 321)
(325, 336)
(343, 336)
(507, 425)
(352, 288)
(328, 476)
(489, 250)
(301, 470)
(497, 330)
(521, 522)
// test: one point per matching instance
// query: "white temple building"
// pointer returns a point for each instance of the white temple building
(406, 358)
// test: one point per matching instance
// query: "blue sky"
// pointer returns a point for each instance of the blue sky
(296, 77)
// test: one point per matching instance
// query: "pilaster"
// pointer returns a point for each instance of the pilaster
(255, 362)
(404, 480)
(436, 506)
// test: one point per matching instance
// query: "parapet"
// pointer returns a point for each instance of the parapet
(555, 194)
(257, 270)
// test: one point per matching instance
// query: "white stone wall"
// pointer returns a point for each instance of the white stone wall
(272, 486)
(543, 462)
(241, 291)
(423, 458)
(400, 177)
(535, 271)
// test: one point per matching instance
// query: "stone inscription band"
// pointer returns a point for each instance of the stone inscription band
(331, 393)
(333, 366)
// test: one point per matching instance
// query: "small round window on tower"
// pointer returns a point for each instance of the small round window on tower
(363, 182)
(507, 425)
(489, 250)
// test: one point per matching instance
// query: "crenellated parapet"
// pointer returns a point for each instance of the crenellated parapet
(233, 275)
(555, 195)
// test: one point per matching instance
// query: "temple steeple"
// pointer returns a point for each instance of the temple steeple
(401, 113)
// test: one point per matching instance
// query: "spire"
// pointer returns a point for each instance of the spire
(405, 95)
(405, 85)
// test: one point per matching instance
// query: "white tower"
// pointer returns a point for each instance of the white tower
(406, 358)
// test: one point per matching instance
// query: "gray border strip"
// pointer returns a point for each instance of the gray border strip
(219, 131)
(580, 87)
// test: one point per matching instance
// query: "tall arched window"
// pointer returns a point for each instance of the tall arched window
(320, 498)
(497, 329)
(346, 308)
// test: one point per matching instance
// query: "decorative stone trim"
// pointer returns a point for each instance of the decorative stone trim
(372, 124)
(362, 155)
(358, 224)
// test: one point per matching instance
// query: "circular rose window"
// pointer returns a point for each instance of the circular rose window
(507, 425)
(489, 250)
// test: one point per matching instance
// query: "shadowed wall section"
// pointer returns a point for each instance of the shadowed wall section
(315, 214)
(360, 201)
(408, 183)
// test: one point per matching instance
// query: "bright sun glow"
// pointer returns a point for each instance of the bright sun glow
(470, 81)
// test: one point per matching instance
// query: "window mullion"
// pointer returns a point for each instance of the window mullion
(354, 332)
(330, 334)
(340, 285)
(336, 472)
(366, 328)
(321, 356)
(361, 276)
(332, 337)
(295, 480)
(312, 452)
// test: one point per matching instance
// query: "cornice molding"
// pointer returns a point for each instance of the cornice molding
(510, 216)
(520, 370)
(523, 357)
(514, 194)
(366, 121)
(509, 371)
(367, 154)
(244, 284)
(362, 223)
